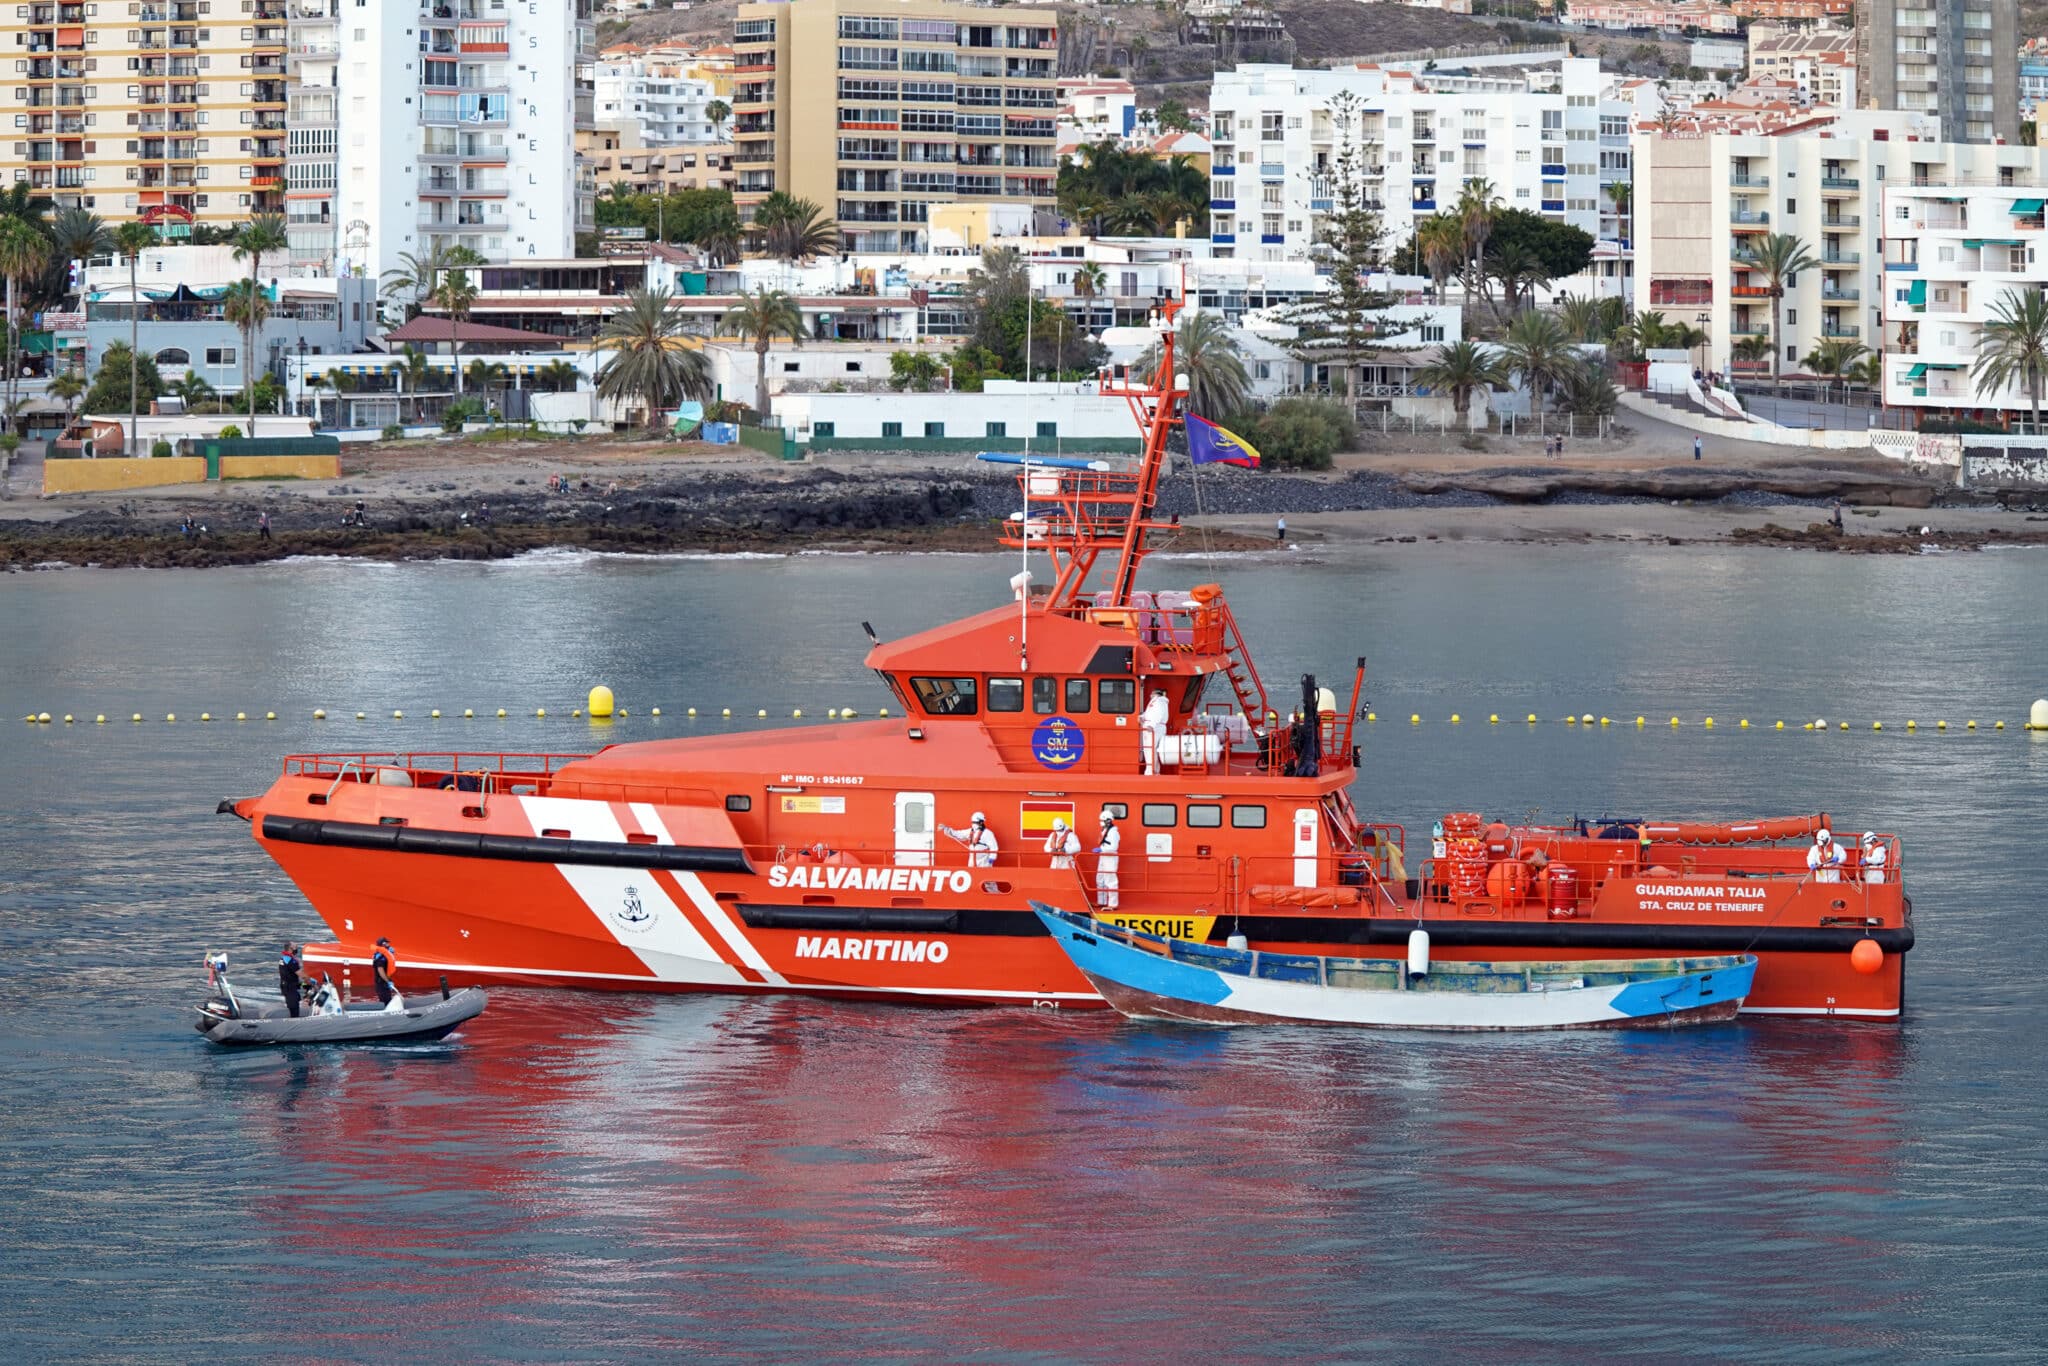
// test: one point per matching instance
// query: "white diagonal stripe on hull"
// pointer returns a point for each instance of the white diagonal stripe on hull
(629, 902)
(707, 905)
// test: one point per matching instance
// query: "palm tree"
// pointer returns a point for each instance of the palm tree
(79, 235)
(1205, 351)
(796, 229)
(1778, 257)
(1441, 239)
(488, 374)
(1537, 350)
(193, 390)
(651, 360)
(1584, 390)
(1478, 206)
(1461, 370)
(413, 278)
(1751, 349)
(763, 316)
(23, 253)
(1623, 199)
(412, 371)
(343, 384)
(716, 113)
(1128, 215)
(246, 306)
(455, 296)
(1089, 281)
(261, 236)
(66, 389)
(558, 376)
(2012, 345)
(19, 201)
(130, 241)
(1582, 317)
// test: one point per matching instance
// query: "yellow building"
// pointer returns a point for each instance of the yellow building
(933, 103)
(168, 105)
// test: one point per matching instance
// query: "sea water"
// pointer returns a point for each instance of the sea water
(620, 1177)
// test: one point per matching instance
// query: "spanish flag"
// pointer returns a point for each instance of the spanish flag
(1209, 444)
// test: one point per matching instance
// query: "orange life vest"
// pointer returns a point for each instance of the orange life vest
(390, 965)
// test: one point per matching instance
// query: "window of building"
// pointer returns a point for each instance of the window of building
(1161, 814)
(821, 429)
(1272, 127)
(1077, 694)
(998, 429)
(1203, 816)
(1006, 694)
(892, 429)
(946, 696)
(934, 429)
(1049, 430)
(174, 355)
(1248, 817)
(1117, 696)
(1045, 696)
(220, 355)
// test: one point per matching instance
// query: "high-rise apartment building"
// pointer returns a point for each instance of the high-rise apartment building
(124, 108)
(457, 122)
(655, 100)
(1957, 60)
(878, 109)
(1553, 143)
(312, 130)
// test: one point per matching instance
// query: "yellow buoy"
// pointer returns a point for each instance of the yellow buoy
(1807, 726)
(1743, 724)
(575, 712)
(540, 712)
(1941, 725)
(67, 718)
(1969, 725)
(398, 716)
(798, 713)
(1571, 720)
(468, 714)
(1674, 720)
(623, 711)
(1532, 718)
(1414, 718)
(206, 716)
(434, 715)
(501, 713)
(359, 716)
(1710, 723)
(728, 711)
(1999, 726)
(100, 720)
(136, 718)
(1603, 720)
(1454, 718)
(270, 716)
(831, 713)
(170, 716)
(1493, 718)
(1845, 725)
(883, 712)
(601, 701)
(1781, 725)
(1877, 725)
(1372, 716)
(1641, 721)
(318, 715)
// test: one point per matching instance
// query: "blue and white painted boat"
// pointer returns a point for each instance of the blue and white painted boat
(1147, 977)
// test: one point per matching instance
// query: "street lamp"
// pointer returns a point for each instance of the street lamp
(302, 381)
(1703, 319)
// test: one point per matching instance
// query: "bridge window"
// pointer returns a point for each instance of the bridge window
(1157, 813)
(1045, 696)
(1117, 695)
(947, 696)
(1248, 817)
(1204, 816)
(1006, 694)
(1077, 694)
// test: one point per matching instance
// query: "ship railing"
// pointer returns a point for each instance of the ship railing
(483, 772)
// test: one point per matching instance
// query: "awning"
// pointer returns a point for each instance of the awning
(2028, 206)
(1992, 242)
(1916, 371)
(1916, 294)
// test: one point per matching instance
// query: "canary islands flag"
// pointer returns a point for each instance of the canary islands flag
(1209, 444)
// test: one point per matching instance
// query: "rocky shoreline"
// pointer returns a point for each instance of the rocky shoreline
(906, 508)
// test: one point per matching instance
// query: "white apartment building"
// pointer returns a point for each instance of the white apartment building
(656, 100)
(1550, 142)
(457, 122)
(1952, 254)
(312, 132)
(1698, 197)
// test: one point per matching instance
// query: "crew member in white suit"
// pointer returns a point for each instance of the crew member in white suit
(1872, 861)
(1824, 860)
(1106, 862)
(1062, 844)
(979, 839)
(1153, 733)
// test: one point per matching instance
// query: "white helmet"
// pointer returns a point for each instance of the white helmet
(1825, 836)
(1870, 837)
(980, 819)
(1059, 823)
(1108, 816)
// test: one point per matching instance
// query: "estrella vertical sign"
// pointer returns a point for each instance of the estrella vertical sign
(1058, 743)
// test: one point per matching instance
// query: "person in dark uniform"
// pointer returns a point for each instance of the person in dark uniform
(384, 963)
(288, 967)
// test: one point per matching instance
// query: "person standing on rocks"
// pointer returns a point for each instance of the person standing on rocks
(1280, 528)
(263, 526)
(1696, 448)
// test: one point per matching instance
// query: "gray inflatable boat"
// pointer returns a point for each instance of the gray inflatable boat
(231, 1020)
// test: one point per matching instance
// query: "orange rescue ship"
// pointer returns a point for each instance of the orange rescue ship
(840, 860)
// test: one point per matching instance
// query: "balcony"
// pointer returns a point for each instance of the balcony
(1842, 220)
(1749, 220)
(1841, 258)
(1843, 294)
(1840, 183)
(1743, 180)
(1844, 331)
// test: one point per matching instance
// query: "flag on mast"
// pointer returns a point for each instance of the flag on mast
(1209, 444)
